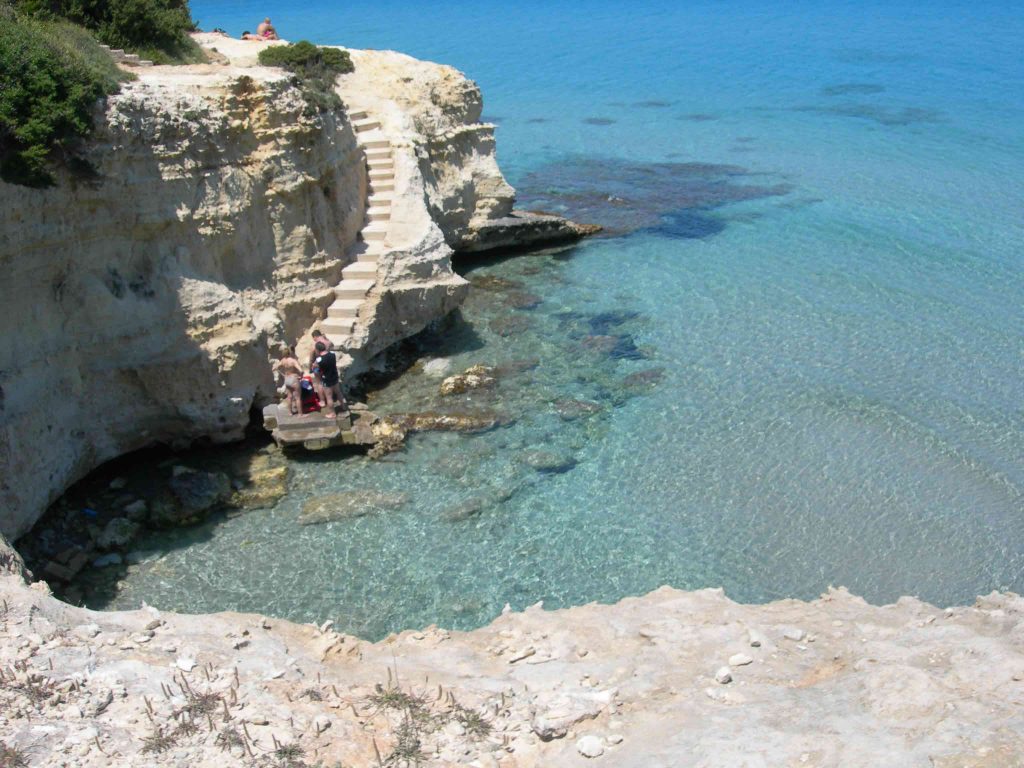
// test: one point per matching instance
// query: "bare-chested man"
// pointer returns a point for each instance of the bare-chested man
(266, 30)
(288, 366)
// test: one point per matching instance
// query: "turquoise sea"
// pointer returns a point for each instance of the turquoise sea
(802, 338)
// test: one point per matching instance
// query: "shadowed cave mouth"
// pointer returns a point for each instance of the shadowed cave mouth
(676, 200)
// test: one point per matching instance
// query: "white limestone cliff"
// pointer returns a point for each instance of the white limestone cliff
(144, 308)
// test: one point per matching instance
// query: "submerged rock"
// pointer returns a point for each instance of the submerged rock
(476, 377)
(117, 534)
(572, 409)
(493, 283)
(265, 488)
(549, 461)
(350, 504)
(509, 325)
(437, 367)
(522, 300)
(193, 494)
(475, 505)
(513, 367)
(642, 380)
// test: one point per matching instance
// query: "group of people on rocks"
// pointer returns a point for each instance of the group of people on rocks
(323, 381)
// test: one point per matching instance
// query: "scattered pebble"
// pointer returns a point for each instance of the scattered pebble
(794, 634)
(590, 746)
(185, 663)
(739, 660)
(724, 675)
(755, 638)
(614, 738)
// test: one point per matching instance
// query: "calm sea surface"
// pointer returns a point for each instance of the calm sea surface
(797, 360)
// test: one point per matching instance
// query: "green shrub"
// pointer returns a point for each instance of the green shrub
(156, 29)
(316, 69)
(51, 76)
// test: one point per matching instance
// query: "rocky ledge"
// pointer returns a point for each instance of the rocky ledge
(666, 679)
(523, 229)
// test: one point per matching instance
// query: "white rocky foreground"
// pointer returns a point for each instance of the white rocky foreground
(669, 679)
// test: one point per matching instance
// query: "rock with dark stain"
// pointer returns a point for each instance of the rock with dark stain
(348, 505)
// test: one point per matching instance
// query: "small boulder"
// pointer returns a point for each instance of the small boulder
(590, 746)
(136, 510)
(476, 377)
(437, 367)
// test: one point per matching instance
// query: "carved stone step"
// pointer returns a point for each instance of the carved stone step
(352, 289)
(344, 309)
(373, 233)
(361, 271)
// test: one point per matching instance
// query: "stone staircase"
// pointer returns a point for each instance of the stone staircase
(360, 276)
(128, 59)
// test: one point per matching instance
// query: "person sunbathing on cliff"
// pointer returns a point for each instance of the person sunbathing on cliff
(325, 367)
(266, 30)
(288, 366)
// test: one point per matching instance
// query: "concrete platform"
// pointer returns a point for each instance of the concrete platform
(314, 431)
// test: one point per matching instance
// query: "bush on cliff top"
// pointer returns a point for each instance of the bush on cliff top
(316, 69)
(51, 76)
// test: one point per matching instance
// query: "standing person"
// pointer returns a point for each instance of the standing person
(288, 366)
(318, 336)
(326, 368)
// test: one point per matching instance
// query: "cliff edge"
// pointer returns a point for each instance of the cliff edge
(672, 678)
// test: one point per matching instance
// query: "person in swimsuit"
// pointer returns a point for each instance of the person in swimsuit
(318, 337)
(288, 366)
(325, 366)
(266, 30)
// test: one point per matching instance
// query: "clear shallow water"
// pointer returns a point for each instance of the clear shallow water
(833, 299)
